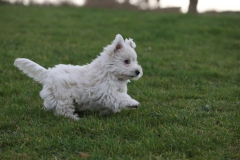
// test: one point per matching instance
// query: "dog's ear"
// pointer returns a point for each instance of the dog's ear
(130, 43)
(118, 42)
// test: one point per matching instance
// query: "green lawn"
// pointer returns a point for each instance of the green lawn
(189, 93)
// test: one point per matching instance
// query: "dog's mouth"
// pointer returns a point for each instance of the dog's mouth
(129, 76)
(132, 77)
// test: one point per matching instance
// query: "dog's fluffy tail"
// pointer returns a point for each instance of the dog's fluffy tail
(32, 69)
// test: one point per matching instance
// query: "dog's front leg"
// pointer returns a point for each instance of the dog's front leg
(117, 102)
(125, 101)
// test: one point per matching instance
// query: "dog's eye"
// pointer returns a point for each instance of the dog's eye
(127, 61)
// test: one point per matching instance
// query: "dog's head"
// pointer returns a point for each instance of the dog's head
(121, 59)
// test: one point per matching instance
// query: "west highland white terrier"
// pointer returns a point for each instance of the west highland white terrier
(100, 85)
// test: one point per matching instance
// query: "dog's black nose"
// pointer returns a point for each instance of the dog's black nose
(137, 72)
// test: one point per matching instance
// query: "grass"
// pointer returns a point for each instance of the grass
(189, 93)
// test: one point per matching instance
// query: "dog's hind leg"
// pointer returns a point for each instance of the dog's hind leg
(67, 110)
(48, 97)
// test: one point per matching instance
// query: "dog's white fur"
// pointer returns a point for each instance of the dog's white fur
(100, 85)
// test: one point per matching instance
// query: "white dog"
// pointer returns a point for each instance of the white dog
(100, 85)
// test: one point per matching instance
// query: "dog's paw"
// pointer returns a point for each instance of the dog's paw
(73, 116)
(76, 118)
(134, 104)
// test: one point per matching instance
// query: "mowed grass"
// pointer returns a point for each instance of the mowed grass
(189, 93)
